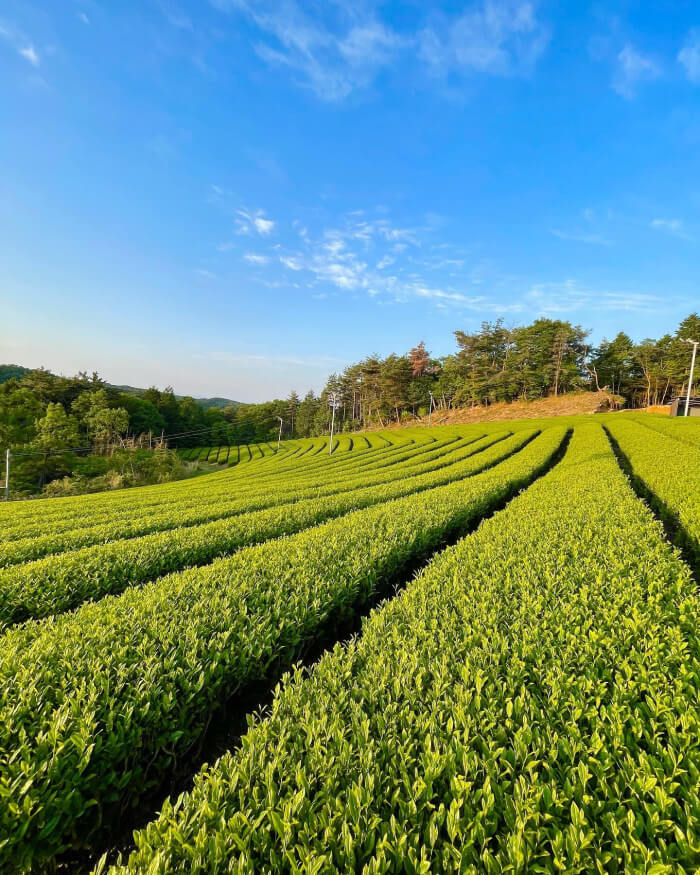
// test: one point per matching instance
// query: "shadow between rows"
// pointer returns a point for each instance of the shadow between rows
(673, 529)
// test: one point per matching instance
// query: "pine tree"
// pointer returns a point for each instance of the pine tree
(292, 407)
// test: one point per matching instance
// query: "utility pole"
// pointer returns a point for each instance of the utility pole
(279, 436)
(692, 370)
(7, 474)
(430, 411)
(334, 405)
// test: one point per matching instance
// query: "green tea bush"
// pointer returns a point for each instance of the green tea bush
(529, 704)
(97, 705)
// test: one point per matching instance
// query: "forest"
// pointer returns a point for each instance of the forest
(99, 436)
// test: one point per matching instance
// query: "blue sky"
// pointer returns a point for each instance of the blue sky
(240, 196)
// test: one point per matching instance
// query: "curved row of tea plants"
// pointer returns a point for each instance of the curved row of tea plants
(87, 526)
(686, 429)
(15, 514)
(97, 705)
(529, 704)
(669, 474)
(28, 518)
(191, 512)
(61, 515)
(58, 583)
(28, 509)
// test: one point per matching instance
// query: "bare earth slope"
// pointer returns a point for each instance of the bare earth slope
(563, 405)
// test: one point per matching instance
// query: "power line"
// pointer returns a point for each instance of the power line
(53, 451)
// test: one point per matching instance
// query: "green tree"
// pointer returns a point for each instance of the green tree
(292, 406)
(680, 354)
(611, 364)
(144, 417)
(19, 411)
(483, 361)
(104, 424)
(56, 430)
(395, 379)
(51, 453)
(107, 424)
(306, 414)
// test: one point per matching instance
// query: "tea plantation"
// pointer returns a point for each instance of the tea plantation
(461, 649)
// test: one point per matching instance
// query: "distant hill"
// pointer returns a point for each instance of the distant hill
(8, 372)
(206, 403)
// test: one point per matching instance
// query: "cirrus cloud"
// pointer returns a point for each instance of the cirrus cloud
(340, 48)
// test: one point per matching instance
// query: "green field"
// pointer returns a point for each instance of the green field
(462, 649)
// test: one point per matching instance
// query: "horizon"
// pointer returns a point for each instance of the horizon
(238, 198)
(203, 396)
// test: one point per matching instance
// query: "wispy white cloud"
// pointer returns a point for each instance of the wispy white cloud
(631, 69)
(498, 37)
(580, 237)
(359, 257)
(689, 55)
(254, 258)
(422, 291)
(248, 222)
(356, 256)
(83, 17)
(570, 297)
(205, 274)
(291, 262)
(671, 226)
(29, 53)
(338, 48)
(446, 263)
(20, 42)
(263, 226)
(333, 53)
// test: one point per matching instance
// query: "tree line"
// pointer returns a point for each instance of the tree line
(548, 357)
(71, 425)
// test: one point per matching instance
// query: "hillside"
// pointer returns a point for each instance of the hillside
(564, 405)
